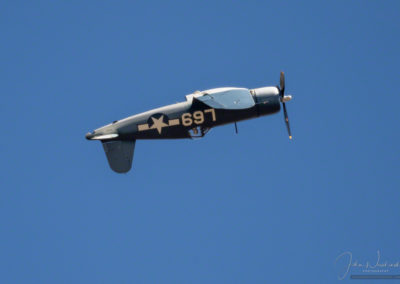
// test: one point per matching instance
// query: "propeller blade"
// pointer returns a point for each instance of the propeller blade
(287, 120)
(282, 84)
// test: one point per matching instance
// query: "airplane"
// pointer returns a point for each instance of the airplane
(192, 118)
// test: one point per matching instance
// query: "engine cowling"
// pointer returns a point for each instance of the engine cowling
(267, 100)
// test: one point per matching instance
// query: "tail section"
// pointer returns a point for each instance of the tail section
(119, 154)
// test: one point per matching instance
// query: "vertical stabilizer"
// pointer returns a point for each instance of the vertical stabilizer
(119, 154)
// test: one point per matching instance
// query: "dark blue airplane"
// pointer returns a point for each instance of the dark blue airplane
(193, 118)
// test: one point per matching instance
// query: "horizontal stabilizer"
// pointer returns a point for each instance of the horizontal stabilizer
(105, 137)
(119, 154)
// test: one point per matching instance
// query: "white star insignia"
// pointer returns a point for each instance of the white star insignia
(158, 123)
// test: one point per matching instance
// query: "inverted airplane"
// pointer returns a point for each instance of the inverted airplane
(193, 118)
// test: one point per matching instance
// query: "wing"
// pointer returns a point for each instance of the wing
(228, 99)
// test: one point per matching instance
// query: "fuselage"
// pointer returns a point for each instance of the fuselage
(192, 117)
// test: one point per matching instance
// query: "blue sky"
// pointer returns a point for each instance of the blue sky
(247, 208)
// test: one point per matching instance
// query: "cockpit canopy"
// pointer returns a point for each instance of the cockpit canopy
(224, 98)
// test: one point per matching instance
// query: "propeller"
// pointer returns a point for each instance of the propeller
(284, 99)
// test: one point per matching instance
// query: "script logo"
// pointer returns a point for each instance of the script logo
(378, 267)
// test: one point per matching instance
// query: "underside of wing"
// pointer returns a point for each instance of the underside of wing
(233, 98)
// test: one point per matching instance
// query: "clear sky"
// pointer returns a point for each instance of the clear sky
(247, 208)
